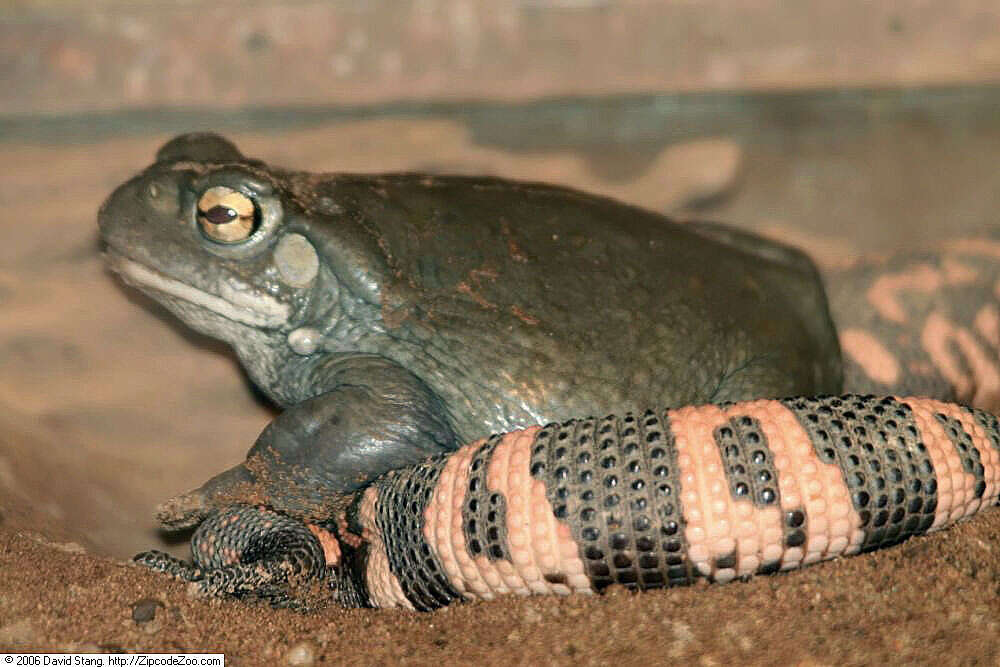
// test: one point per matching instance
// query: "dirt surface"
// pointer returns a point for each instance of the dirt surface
(934, 599)
(107, 407)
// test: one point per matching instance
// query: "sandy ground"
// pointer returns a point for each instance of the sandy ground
(933, 600)
(107, 406)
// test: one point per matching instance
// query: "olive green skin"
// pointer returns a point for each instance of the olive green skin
(491, 304)
(542, 302)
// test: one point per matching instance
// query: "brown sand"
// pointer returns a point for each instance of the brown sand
(935, 599)
(107, 407)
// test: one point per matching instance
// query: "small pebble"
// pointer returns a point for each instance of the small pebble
(301, 655)
(144, 610)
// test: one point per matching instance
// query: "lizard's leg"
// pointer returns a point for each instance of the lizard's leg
(922, 323)
(248, 551)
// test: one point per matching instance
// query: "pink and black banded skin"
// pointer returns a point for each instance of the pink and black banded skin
(658, 499)
(922, 323)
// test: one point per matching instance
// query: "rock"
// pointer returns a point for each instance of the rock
(144, 610)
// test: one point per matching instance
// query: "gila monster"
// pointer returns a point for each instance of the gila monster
(646, 500)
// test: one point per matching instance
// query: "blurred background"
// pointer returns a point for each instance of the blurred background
(846, 127)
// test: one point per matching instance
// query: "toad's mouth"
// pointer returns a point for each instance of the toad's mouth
(250, 308)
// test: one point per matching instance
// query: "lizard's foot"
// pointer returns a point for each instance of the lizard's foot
(246, 551)
(158, 561)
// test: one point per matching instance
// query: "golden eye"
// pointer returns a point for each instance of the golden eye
(226, 215)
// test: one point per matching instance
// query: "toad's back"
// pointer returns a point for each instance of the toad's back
(548, 302)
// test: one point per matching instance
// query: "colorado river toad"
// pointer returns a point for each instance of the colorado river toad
(395, 316)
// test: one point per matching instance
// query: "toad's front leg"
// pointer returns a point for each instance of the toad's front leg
(368, 415)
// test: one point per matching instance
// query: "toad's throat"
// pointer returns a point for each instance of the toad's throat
(256, 310)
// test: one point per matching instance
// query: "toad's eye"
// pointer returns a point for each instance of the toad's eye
(226, 215)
